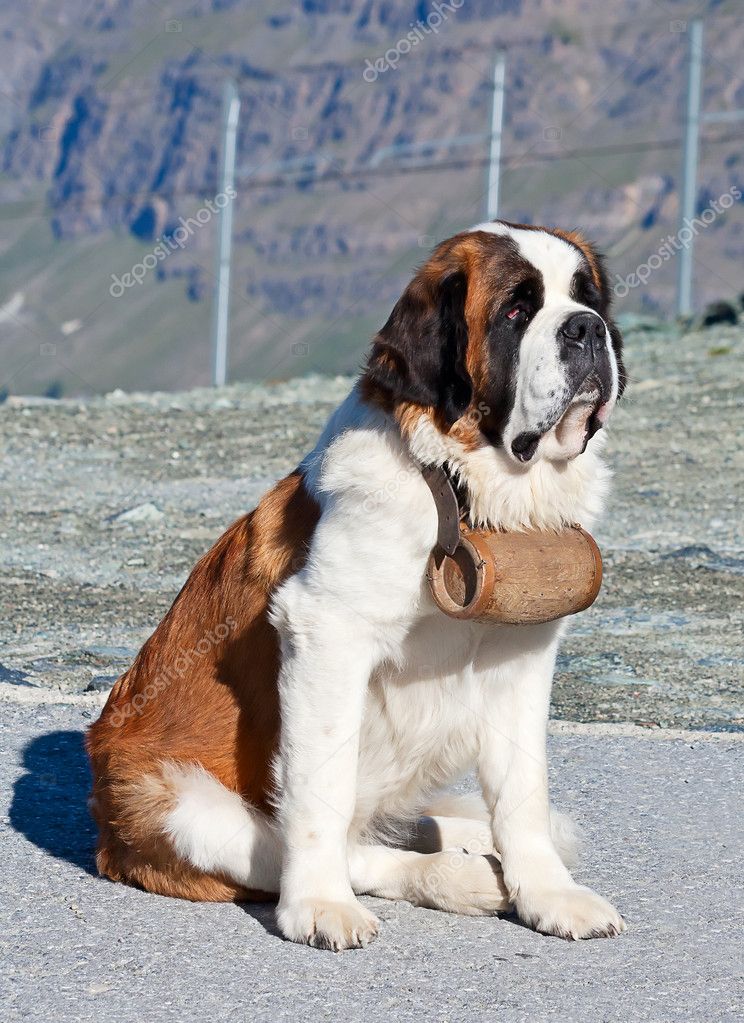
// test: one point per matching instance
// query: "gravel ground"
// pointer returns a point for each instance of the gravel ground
(81, 586)
(663, 828)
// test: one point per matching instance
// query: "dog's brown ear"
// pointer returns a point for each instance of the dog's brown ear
(419, 355)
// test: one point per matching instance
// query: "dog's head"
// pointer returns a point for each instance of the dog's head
(507, 327)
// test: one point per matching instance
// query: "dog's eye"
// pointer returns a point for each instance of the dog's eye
(519, 311)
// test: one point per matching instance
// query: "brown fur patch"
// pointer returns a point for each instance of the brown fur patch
(203, 690)
(492, 267)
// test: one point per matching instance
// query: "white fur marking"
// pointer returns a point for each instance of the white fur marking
(215, 831)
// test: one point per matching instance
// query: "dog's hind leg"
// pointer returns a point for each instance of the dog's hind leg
(463, 821)
(215, 831)
(432, 834)
(452, 880)
(178, 831)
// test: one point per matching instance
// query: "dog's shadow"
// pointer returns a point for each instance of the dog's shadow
(50, 808)
(49, 802)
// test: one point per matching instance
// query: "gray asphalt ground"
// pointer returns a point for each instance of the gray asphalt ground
(663, 827)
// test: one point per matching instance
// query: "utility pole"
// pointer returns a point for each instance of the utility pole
(688, 188)
(497, 125)
(221, 300)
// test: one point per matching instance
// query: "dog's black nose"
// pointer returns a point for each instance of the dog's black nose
(582, 330)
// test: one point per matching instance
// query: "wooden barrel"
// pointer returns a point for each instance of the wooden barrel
(516, 578)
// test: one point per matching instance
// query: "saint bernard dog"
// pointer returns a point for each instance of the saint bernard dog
(290, 728)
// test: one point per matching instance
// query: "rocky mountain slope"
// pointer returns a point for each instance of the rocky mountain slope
(111, 142)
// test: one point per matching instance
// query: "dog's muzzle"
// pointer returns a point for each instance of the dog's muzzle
(583, 344)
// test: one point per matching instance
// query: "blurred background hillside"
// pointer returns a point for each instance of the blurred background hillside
(110, 123)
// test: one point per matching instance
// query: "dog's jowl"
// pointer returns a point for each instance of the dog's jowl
(289, 728)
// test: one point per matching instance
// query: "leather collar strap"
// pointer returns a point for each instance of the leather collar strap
(448, 507)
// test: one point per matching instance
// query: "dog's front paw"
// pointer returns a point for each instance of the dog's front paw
(572, 912)
(331, 925)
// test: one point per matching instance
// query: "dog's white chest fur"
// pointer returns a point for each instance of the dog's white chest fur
(434, 681)
(419, 726)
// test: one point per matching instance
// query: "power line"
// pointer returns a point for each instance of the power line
(360, 173)
(449, 165)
